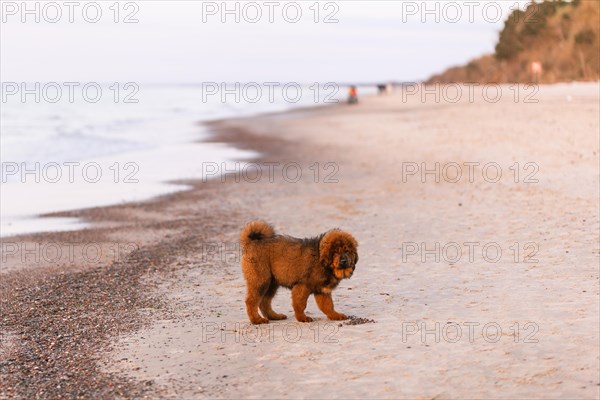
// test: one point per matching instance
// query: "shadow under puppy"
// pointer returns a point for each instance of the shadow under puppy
(307, 266)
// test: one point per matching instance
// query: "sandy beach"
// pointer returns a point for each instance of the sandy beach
(478, 229)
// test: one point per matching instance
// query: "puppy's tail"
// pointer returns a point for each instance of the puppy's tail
(255, 231)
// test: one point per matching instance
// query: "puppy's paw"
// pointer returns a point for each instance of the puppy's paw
(337, 316)
(277, 317)
(259, 321)
(304, 318)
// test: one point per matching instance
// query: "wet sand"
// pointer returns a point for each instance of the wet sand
(167, 319)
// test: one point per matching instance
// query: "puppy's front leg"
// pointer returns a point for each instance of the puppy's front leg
(325, 303)
(300, 295)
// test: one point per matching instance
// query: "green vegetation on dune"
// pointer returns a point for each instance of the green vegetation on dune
(564, 37)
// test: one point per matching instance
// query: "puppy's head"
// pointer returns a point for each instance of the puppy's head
(338, 251)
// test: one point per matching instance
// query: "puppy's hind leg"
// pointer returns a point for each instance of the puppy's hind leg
(265, 304)
(254, 296)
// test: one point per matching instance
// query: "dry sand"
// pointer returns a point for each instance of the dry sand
(196, 342)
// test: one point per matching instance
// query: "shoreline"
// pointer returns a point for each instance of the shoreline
(66, 220)
(78, 371)
(171, 186)
(109, 329)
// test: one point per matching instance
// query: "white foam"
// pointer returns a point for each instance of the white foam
(126, 177)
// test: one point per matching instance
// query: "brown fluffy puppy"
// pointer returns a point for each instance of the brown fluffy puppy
(307, 266)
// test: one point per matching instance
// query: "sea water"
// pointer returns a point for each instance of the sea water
(132, 144)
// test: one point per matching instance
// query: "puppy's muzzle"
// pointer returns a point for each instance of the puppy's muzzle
(345, 266)
(344, 262)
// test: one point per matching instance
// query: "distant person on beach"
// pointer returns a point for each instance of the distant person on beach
(536, 70)
(352, 95)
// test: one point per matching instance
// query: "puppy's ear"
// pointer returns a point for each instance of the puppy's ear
(353, 244)
(326, 250)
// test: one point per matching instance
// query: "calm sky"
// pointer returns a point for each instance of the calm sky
(188, 41)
